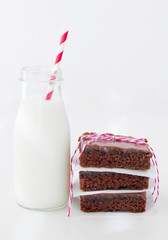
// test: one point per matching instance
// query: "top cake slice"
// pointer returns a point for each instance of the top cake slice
(115, 154)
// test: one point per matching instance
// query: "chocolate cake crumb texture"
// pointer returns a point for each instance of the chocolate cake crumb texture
(131, 202)
(93, 181)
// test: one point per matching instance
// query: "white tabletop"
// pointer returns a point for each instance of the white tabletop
(21, 224)
(116, 58)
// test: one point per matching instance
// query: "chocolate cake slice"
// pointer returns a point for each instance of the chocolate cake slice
(115, 154)
(130, 202)
(93, 181)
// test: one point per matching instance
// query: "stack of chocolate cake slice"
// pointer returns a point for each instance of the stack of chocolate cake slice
(104, 154)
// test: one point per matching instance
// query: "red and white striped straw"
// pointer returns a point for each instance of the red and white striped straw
(58, 59)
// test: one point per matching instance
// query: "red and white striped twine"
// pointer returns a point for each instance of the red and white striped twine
(58, 59)
(94, 137)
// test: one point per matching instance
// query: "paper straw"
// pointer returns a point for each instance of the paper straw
(58, 59)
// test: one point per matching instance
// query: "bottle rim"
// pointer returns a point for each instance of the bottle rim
(40, 73)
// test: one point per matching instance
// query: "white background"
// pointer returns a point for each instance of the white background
(115, 69)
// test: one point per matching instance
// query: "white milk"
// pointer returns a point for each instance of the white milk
(42, 154)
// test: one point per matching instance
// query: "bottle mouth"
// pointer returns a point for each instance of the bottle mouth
(41, 74)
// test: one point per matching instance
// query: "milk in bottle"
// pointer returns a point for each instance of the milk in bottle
(41, 143)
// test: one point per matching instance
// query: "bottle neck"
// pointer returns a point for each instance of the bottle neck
(39, 81)
(40, 90)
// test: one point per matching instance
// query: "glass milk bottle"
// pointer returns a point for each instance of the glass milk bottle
(41, 143)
